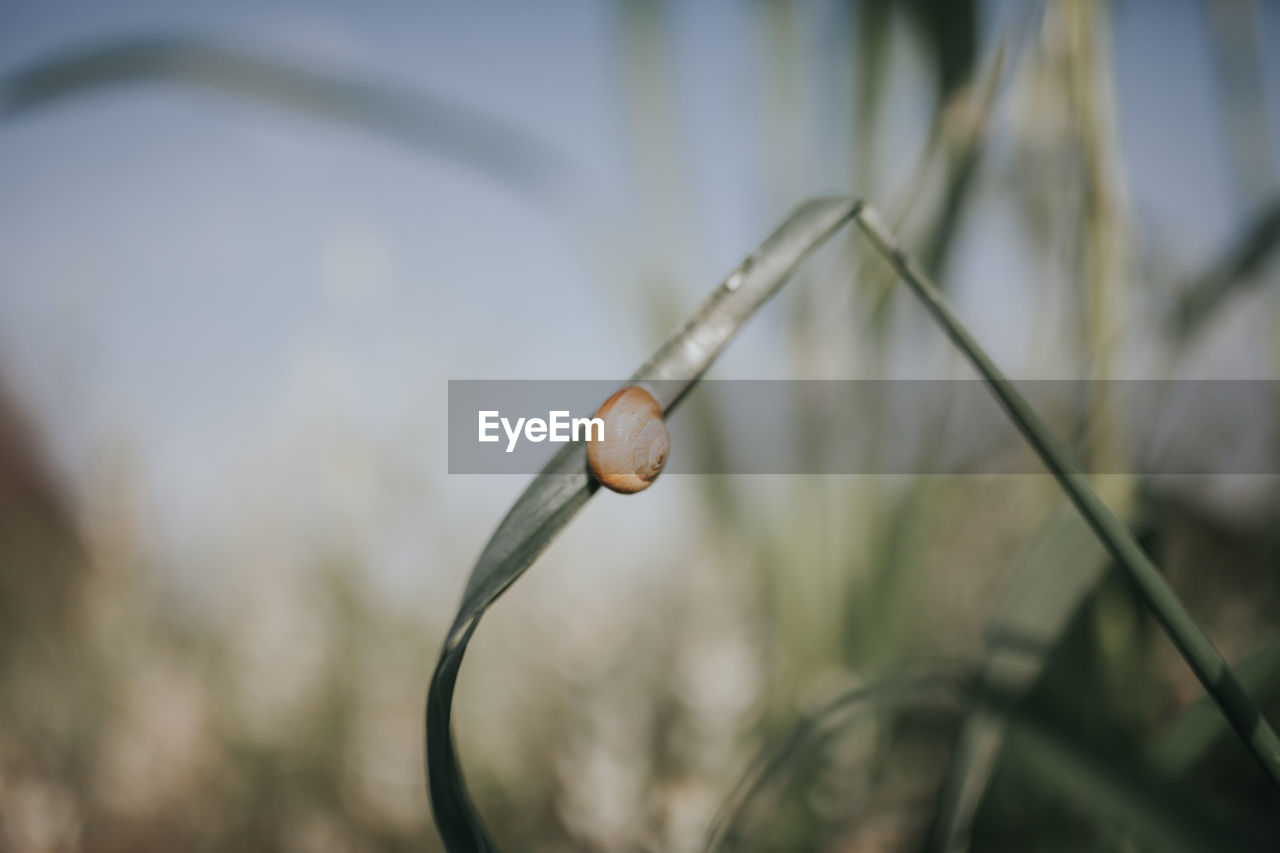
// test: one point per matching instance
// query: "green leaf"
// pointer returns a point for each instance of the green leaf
(1110, 788)
(1200, 728)
(1155, 592)
(1057, 571)
(564, 486)
(1115, 793)
(776, 764)
(1233, 271)
(489, 145)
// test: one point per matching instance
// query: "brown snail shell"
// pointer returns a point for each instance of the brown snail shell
(635, 442)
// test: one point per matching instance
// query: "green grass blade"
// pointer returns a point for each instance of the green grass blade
(1195, 647)
(563, 487)
(1117, 792)
(1228, 274)
(1057, 571)
(941, 684)
(1106, 786)
(489, 145)
(1199, 729)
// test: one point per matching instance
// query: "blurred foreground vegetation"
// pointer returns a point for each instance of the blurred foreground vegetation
(858, 663)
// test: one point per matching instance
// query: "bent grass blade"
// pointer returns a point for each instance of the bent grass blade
(1205, 661)
(564, 486)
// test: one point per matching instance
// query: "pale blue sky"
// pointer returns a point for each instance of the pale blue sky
(229, 289)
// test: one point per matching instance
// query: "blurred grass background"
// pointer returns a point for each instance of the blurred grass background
(244, 246)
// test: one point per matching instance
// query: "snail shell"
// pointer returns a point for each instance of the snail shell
(635, 442)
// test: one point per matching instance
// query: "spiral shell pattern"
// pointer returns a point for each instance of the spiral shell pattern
(635, 443)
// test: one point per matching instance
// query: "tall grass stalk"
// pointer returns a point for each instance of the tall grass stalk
(1195, 647)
